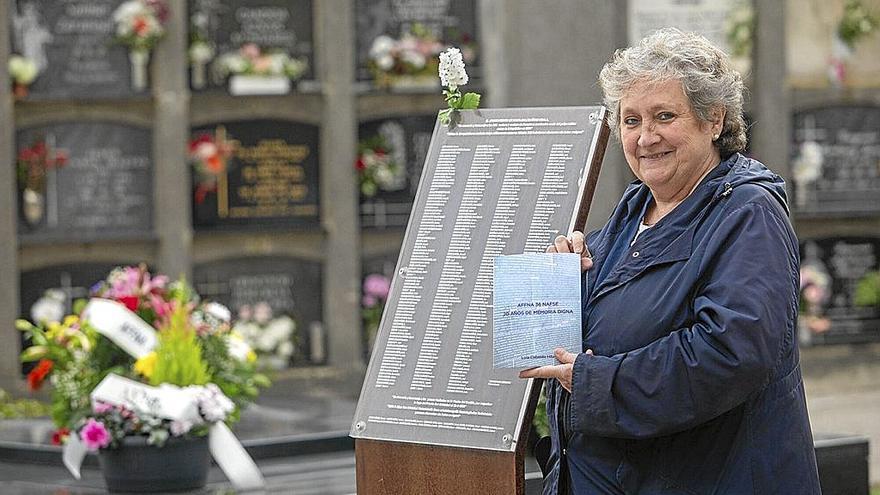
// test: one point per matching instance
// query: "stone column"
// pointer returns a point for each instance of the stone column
(171, 213)
(771, 108)
(335, 41)
(9, 285)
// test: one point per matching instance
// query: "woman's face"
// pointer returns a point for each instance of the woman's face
(665, 144)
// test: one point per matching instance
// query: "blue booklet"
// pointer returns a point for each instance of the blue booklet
(536, 308)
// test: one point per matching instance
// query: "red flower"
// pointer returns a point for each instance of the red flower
(37, 375)
(201, 139)
(131, 302)
(214, 164)
(141, 27)
(60, 435)
(359, 164)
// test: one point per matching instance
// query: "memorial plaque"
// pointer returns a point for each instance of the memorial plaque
(71, 43)
(452, 22)
(836, 161)
(502, 181)
(289, 287)
(831, 269)
(270, 178)
(53, 290)
(272, 26)
(99, 184)
(391, 155)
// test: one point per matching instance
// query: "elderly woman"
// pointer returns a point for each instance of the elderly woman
(689, 381)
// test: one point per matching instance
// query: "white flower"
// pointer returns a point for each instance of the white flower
(49, 308)
(414, 58)
(808, 164)
(22, 69)
(238, 348)
(381, 47)
(218, 311)
(128, 10)
(200, 52)
(452, 73)
(285, 349)
(213, 405)
(179, 428)
(385, 62)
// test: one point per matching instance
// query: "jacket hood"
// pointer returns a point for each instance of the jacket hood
(743, 170)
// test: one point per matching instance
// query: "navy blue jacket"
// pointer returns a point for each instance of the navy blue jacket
(695, 386)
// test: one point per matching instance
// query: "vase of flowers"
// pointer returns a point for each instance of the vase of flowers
(209, 155)
(251, 70)
(376, 168)
(272, 337)
(856, 24)
(140, 24)
(33, 165)
(143, 364)
(409, 62)
(22, 71)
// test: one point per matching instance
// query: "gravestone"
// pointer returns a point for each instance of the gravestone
(290, 287)
(404, 141)
(103, 189)
(831, 269)
(269, 180)
(71, 43)
(500, 181)
(283, 26)
(835, 157)
(452, 22)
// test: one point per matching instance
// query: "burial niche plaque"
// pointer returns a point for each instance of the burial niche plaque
(84, 181)
(836, 161)
(502, 181)
(71, 44)
(254, 174)
(391, 153)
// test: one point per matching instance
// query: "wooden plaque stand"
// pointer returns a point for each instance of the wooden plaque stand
(400, 468)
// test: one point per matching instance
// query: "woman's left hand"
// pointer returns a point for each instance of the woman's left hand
(561, 372)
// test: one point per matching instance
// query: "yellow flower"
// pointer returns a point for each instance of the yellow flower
(71, 320)
(146, 365)
(54, 331)
(251, 356)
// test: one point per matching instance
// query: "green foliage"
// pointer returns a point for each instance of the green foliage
(178, 354)
(11, 408)
(540, 423)
(456, 101)
(237, 380)
(868, 290)
(857, 23)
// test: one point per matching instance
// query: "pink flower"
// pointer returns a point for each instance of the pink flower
(377, 285)
(250, 50)
(368, 301)
(95, 435)
(101, 407)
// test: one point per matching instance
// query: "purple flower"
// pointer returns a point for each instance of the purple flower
(101, 407)
(368, 301)
(377, 285)
(95, 435)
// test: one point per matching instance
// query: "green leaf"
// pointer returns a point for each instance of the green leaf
(470, 101)
(445, 115)
(33, 353)
(23, 325)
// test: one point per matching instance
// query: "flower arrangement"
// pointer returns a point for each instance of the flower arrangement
(375, 294)
(815, 292)
(140, 24)
(377, 170)
(856, 23)
(35, 161)
(193, 349)
(208, 155)
(201, 49)
(251, 60)
(413, 55)
(452, 75)
(273, 338)
(22, 71)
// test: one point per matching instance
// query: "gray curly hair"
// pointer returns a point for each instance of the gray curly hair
(705, 73)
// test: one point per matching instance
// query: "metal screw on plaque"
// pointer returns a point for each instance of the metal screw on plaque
(402, 272)
(594, 117)
(507, 440)
(360, 426)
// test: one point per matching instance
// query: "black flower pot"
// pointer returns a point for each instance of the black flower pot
(137, 467)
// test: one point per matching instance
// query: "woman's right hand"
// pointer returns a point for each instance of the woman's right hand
(574, 243)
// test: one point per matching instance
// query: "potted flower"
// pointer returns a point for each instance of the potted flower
(209, 155)
(22, 71)
(32, 167)
(375, 294)
(273, 338)
(856, 23)
(144, 369)
(377, 170)
(254, 71)
(406, 63)
(140, 24)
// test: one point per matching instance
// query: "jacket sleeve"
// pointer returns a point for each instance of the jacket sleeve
(744, 307)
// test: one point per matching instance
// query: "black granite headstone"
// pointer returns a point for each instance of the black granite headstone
(831, 269)
(71, 43)
(404, 141)
(270, 179)
(103, 191)
(289, 286)
(272, 25)
(835, 156)
(453, 22)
